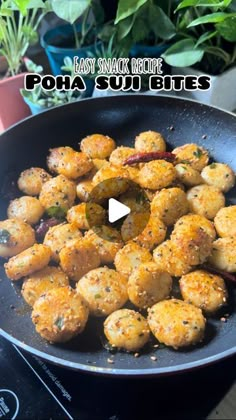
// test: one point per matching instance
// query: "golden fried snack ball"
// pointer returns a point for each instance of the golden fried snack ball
(170, 204)
(27, 262)
(188, 175)
(192, 154)
(41, 281)
(225, 221)
(170, 258)
(148, 285)
(78, 257)
(194, 243)
(83, 190)
(86, 215)
(195, 220)
(31, 180)
(223, 254)
(133, 224)
(97, 146)
(150, 141)
(110, 181)
(219, 175)
(107, 241)
(60, 314)
(58, 236)
(153, 234)
(127, 330)
(26, 208)
(15, 237)
(104, 290)
(204, 290)
(120, 154)
(157, 174)
(176, 323)
(205, 200)
(130, 257)
(137, 201)
(58, 192)
(66, 161)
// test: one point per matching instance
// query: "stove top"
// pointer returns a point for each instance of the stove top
(33, 389)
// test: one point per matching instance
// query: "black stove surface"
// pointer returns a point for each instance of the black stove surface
(33, 389)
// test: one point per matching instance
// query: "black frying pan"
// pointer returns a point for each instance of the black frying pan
(121, 117)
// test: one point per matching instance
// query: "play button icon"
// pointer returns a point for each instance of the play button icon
(116, 210)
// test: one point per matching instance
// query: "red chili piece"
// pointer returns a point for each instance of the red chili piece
(149, 156)
(224, 274)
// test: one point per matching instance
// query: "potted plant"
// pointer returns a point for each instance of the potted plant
(206, 44)
(39, 99)
(19, 20)
(146, 25)
(73, 39)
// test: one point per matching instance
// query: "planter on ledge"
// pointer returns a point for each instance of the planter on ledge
(222, 91)
(12, 105)
(56, 44)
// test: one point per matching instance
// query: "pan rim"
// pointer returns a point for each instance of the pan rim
(111, 371)
(165, 371)
(105, 98)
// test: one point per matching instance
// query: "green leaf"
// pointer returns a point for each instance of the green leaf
(140, 31)
(98, 12)
(4, 236)
(125, 26)
(70, 10)
(211, 18)
(6, 12)
(183, 54)
(22, 5)
(56, 211)
(127, 8)
(205, 37)
(203, 3)
(227, 29)
(160, 23)
(30, 34)
(2, 29)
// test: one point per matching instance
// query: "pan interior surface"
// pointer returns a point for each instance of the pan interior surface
(122, 118)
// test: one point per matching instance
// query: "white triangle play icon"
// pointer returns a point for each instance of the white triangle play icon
(116, 210)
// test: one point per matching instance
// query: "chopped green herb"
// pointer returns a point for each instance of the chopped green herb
(140, 198)
(59, 322)
(213, 166)
(198, 153)
(97, 296)
(184, 168)
(227, 176)
(4, 236)
(57, 212)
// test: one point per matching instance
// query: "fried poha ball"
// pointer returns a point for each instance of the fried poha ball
(127, 329)
(41, 281)
(192, 154)
(225, 221)
(205, 200)
(31, 180)
(86, 215)
(148, 285)
(130, 257)
(223, 254)
(58, 236)
(188, 175)
(107, 241)
(60, 314)
(26, 208)
(176, 323)
(150, 141)
(219, 175)
(195, 220)
(15, 237)
(78, 257)
(66, 161)
(120, 154)
(204, 290)
(58, 192)
(97, 146)
(170, 258)
(170, 204)
(27, 262)
(104, 290)
(157, 174)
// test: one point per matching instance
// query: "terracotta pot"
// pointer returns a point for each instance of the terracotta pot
(12, 106)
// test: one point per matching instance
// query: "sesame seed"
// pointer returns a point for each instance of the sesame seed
(154, 358)
(111, 361)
